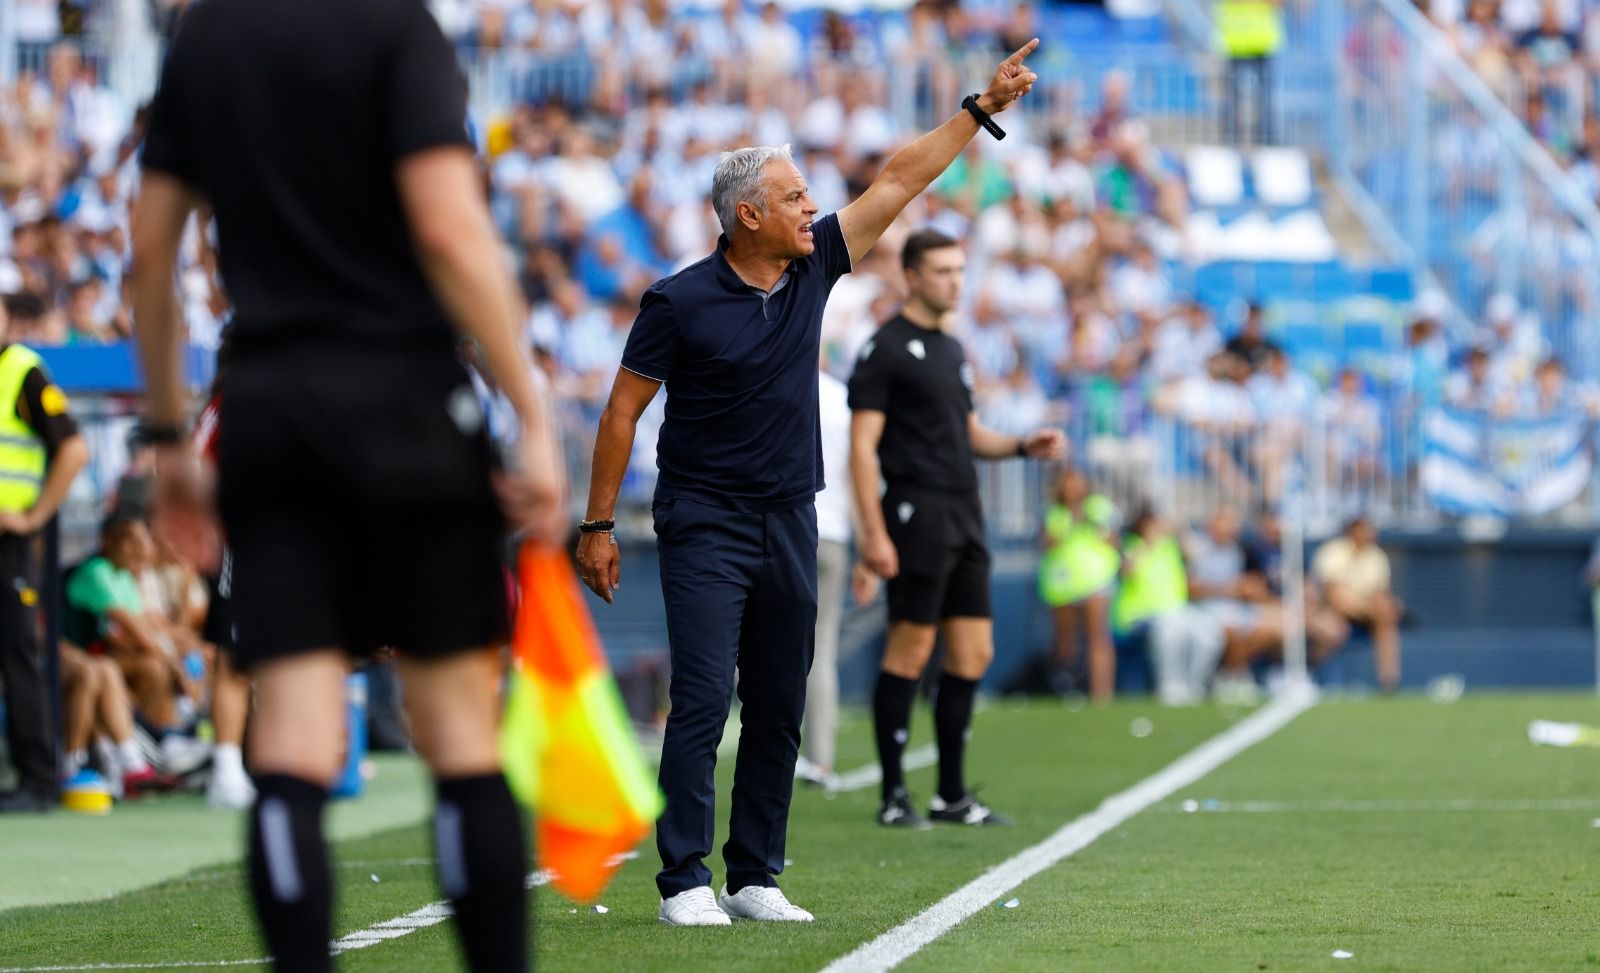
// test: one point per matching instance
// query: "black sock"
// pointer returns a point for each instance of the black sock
(482, 853)
(289, 876)
(952, 715)
(891, 717)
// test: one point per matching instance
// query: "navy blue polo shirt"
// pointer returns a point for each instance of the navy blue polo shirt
(740, 366)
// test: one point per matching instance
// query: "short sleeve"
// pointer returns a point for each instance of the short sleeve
(1324, 566)
(427, 93)
(91, 588)
(873, 378)
(832, 254)
(167, 146)
(652, 346)
(43, 406)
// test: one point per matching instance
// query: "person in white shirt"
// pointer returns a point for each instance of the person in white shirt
(836, 519)
(1283, 400)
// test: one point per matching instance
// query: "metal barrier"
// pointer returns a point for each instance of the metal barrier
(1429, 153)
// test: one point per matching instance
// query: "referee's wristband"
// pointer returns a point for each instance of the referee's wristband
(597, 526)
(160, 433)
(1022, 446)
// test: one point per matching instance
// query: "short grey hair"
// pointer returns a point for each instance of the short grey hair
(738, 179)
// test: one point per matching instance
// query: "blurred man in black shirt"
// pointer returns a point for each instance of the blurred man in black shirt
(356, 483)
(914, 428)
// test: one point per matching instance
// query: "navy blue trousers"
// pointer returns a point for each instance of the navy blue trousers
(741, 594)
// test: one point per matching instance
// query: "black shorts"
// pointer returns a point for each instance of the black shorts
(944, 558)
(219, 628)
(355, 494)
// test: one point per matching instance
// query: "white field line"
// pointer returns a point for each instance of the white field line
(900, 943)
(1381, 806)
(429, 915)
(184, 965)
(869, 774)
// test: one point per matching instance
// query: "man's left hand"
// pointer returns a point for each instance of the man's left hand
(20, 524)
(1011, 81)
(1047, 444)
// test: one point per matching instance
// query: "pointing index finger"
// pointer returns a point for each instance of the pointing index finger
(1023, 52)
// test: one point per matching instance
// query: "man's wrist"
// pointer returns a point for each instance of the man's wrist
(986, 104)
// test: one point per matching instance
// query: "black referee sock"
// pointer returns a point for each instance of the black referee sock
(481, 851)
(952, 716)
(891, 718)
(289, 877)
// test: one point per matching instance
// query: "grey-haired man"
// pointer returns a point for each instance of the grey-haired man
(735, 339)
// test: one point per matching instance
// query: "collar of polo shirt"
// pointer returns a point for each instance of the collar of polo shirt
(730, 278)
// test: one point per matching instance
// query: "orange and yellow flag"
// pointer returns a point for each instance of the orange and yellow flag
(566, 743)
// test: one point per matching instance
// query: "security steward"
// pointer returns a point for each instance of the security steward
(40, 455)
(735, 338)
(913, 428)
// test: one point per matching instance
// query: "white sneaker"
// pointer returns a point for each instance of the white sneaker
(1235, 690)
(230, 790)
(696, 907)
(763, 902)
(181, 755)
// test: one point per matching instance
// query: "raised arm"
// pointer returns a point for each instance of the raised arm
(917, 165)
(598, 561)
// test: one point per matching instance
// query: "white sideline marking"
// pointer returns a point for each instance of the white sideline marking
(429, 915)
(194, 965)
(900, 943)
(1384, 807)
(865, 776)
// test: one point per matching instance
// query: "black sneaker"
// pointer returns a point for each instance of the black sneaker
(897, 812)
(965, 811)
(25, 801)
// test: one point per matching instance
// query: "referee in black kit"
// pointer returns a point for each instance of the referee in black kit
(355, 478)
(735, 338)
(913, 429)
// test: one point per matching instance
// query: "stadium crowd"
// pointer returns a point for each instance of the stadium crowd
(1076, 313)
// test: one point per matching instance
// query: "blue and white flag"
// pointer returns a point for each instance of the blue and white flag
(1473, 464)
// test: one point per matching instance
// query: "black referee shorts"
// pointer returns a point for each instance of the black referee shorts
(944, 558)
(356, 499)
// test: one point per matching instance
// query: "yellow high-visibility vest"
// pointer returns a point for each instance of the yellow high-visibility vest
(22, 453)
(1249, 28)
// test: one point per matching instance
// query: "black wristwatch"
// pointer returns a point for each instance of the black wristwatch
(597, 526)
(148, 433)
(985, 121)
(1022, 446)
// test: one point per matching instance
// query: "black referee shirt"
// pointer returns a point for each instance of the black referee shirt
(289, 115)
(920, 380)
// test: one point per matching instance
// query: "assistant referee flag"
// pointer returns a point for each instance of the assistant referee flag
(566, 743)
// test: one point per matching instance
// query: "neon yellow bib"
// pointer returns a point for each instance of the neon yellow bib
(22, 453)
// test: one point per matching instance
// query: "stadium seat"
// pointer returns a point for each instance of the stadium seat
(1282, 177)
(1216, 176)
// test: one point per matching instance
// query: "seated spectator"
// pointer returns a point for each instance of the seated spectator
(1222, 582)
(1075, 579)
(1553, 395)
(1284, 400)
(106, 593)
(1151, 609)
(1251, 342)
(1354, 432)
(1182, 345)
(95, 708)
(1354, 573)
(1325, 630)
(1120, 449)
(1216, 416)
(1473, 389)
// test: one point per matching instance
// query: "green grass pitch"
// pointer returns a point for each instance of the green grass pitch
(1416, 836)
